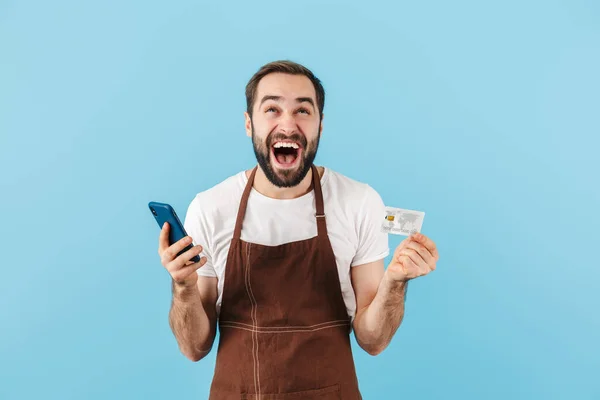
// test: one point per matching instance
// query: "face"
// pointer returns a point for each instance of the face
(285, 127)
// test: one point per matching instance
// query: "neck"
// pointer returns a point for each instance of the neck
(266, 188)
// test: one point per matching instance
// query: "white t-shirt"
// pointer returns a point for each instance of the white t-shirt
(354, 214)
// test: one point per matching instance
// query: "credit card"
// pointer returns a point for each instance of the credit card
(400, 221)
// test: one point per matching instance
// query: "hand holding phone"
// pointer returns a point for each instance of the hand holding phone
(175, 247)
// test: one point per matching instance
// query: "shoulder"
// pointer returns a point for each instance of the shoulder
(219, 196)
(347, 189)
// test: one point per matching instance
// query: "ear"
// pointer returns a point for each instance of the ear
(248, 124)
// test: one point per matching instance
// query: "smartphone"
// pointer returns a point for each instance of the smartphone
(165, 213)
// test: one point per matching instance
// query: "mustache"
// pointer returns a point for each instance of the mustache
(296, 137)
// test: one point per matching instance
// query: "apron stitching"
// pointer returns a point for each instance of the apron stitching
(290, 331)
(256, 324)
(254, 321)
(284, 327)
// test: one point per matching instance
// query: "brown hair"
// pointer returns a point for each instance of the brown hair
(286, 67)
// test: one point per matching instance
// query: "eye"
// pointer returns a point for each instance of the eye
(270, 109)
(304, 110)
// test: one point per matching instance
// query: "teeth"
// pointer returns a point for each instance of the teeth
(286, 144)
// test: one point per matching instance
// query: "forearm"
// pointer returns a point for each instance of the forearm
(190, 322)
(375, 325)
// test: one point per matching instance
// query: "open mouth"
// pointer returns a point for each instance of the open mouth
(286, 153)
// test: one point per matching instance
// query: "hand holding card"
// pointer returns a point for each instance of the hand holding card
(416, 256)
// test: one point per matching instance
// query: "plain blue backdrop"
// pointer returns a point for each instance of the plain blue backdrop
(485, 115)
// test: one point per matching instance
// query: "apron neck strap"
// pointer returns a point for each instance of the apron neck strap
(320, 216)
(320, 208)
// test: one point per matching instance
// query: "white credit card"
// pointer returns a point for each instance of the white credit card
(402, 222)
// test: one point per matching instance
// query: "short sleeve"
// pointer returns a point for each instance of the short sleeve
(196, 226)
(372, 241)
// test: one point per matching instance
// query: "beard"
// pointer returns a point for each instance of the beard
(285, 178)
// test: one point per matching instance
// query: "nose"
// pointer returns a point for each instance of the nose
(287, 123)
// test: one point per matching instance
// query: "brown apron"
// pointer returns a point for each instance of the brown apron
(284, 328)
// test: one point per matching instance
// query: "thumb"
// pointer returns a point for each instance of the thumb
(403, 245)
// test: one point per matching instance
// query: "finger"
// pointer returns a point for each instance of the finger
(408, 265)
(180, 261)
(412, 247)
(183, 259)
(417, 261)
(423, 252)
(163, 238)
(428, 243)
(186, 271)
(402, 245)
(171, 253)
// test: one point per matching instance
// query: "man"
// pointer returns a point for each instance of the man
(292, 259)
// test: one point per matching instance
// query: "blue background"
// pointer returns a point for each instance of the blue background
(485, 115)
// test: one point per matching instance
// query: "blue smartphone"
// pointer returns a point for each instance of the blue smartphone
(165, 213)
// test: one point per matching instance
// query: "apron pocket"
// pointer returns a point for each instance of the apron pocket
(326, 393)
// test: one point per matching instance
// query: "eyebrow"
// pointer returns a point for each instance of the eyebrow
(298, 100)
